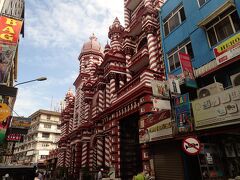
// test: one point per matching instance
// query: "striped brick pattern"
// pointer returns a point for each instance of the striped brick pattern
(115, 43)
(112, 90)
(107, 151)
(108, 95)
(147, 3)
(99, 151)
(84, 154)
(60, 162)
(94, 157)
(129, 76)
(153, 51)
(91, 154)
(100, 101)
(68, 156)
(126, 15)
(121, 84)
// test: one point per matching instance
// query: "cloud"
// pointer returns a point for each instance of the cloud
(62, 23)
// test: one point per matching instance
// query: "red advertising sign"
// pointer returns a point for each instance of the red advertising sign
(9, 30)
(187, 69)
(14, 137)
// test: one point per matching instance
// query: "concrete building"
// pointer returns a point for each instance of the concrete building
(208, 33)
(42, 137)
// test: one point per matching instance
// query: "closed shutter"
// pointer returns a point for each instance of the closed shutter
(168, 164)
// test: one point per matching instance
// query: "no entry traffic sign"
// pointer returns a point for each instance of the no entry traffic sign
(191, 145)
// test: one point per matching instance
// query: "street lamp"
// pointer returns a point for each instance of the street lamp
(38, 79)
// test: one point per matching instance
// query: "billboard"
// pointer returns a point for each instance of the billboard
(21, 122)
(155, 127)
(228, 49)
(182, 112)
(187, 69)
(217, 110)
(160, 88)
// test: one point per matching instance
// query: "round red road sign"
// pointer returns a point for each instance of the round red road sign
(191, 145)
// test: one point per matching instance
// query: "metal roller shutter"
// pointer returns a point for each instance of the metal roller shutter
(168, 164)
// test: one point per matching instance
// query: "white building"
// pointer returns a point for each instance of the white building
(42, 137)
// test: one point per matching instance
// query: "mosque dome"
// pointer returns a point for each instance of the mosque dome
(92, 45)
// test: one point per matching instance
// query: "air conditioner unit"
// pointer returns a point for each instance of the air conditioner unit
(210, 90)
(235, 79)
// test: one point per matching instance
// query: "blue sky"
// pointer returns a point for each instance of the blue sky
(55, 31)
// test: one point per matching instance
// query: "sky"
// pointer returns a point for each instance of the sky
(55, 31)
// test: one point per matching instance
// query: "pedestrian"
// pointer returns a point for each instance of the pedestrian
(40, 176)
(139, 176)
(100, 174)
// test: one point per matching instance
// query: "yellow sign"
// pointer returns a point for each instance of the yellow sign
(4, 111)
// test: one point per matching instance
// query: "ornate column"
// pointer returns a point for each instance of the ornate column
(108, 95)
(127, 14)
(101, 98)
(108, 150)
(78, 153)
(112, 77)
(152, 47)
(100, 151)
(128, 49)
(84, 162)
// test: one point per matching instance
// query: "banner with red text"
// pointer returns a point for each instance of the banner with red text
(187, 69)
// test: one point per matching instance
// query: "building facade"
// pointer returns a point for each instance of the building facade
(113, 96)
(207, 32)
(11, 17)
(42, 137)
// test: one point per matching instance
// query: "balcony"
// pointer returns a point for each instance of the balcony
(139, 60)
(132, 4)
(49, 130)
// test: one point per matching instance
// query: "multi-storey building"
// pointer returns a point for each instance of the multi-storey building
(42, 137)
(208, 32)
(114, 96)
(11, 17)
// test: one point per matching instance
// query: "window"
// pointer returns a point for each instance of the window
(45, 145)
(48, 126)
(43, 156)
(173, 20)
(201, 2)
(223, 26)
(173, 60)
(45, 135)
(48, 117)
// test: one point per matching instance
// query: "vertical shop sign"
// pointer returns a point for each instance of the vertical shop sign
(3, 128)
(173, 84)
(182, 112)
(9, 30)
(187, 69)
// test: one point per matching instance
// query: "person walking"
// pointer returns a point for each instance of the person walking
(100, 174)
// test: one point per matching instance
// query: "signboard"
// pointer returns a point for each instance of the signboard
(155, 127)
(3, 128)
(160, 88)
(4, 112)
(21, 122)
(187, 69)
(182, 112)
(217, 110)
(173, 84)
(191, 146)
(161, 104)
(228, 49)
(9, 30)
(14, 137)
(7, 53)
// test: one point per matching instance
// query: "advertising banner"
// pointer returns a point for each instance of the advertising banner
(182, 112)
(9, 30)
(161, 104)
(228, 49)
(4, 112)
(7, 53)
(160, 88)
(21, 122)
(187, 69)
(3, 128)
(173, 84)
(156, 127)
(217, 110)
(14, 137)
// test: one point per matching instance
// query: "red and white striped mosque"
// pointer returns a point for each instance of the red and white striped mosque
(100, 124)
